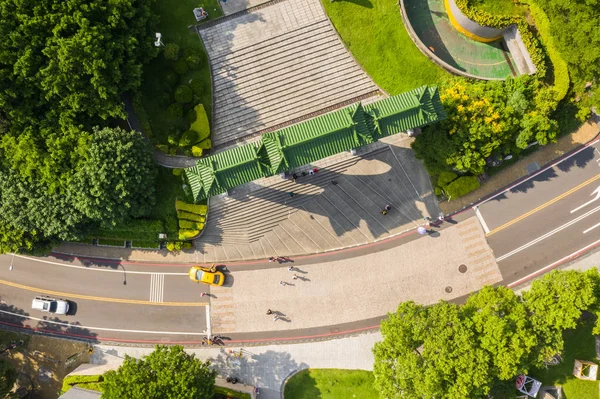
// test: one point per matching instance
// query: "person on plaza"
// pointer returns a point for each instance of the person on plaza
(269, 312)
(272, 259)
(384, 212)
(213, 268)
(388, 207)
(291, 269)
(295, 277)
(292, 195)
(283, 283)
(295, 177)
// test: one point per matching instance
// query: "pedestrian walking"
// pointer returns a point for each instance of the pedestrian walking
(269, 312)
(272, 259)
(384, 212)
(283, 283)
(291, 269)
(203, 294)
(441, 217)
(292, 195)
(311, 172)
(295, 177)
(315, 170)
(388, 207)
(422, 230)
(295, 277)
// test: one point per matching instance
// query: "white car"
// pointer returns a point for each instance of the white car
(50, 305)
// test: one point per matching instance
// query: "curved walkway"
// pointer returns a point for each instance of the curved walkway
(429, 21)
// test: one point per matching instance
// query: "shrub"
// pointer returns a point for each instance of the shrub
(438, 191)
(177, 172)
(193, 62)
(190, 52)
(197, 86)
(187, 234)
(201, 124)
(91, 381)
(193, 208)
(171, 51)
(181, 67)
(187, 245)
(194, 217)
(172, 78)
(462, 186)
(446, 177)
(183, 95)
(163, 148)
(175, 110)
(188, 138)
(196, 151)
(190, 116)
(170, 246)
(205, 144)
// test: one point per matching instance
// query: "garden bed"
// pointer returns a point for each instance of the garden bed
(331, 384)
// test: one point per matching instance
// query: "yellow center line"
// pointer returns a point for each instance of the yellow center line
(99, 298)
(539, 208)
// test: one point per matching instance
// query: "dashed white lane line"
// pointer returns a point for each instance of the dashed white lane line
(99, 328)
(481, 220)
(157, 287)
(551, 233)
(94, 269)
(591, 228)
(208, 327)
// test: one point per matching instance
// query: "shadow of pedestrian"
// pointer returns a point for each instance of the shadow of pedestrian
(434, 234)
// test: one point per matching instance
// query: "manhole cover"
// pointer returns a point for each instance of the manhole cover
(448, 289)
(462, 268)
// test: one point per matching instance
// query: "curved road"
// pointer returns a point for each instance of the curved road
(533, 226)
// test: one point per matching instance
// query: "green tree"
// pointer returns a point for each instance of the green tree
(555, 303)
(8, 377)
(430, 352)
(116, 179)
(503, 329)
(166, 373)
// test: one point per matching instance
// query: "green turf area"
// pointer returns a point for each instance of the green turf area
(331, 384)
(579, 344)
(157, 93)
(373, 31)
(499, 7)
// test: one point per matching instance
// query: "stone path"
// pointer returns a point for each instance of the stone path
(277, 64)
(260, 219)
(341, 291)
(265, 366)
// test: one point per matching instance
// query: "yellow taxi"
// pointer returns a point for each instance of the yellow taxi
(206, 275)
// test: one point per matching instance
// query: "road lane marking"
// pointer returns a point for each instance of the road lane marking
(570, 257)
(539, 208)
(481, 220)
(591, 228)
(551, 233)
(597, 192)
(99, 298)
(208, 326)
(95, 269)
(98, 328)
(157, 287)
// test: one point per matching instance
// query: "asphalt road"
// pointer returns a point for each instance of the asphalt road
(546, 218)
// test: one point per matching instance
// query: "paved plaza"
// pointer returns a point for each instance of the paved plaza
(277, 65)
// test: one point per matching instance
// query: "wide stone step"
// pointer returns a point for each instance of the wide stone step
(344, 221)
(312, 228)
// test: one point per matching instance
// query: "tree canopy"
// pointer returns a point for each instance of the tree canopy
(8, 377)
(166, 373)
(485, 119)
(449, 351)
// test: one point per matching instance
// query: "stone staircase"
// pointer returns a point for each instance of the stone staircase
(322, 216)
(278, 64)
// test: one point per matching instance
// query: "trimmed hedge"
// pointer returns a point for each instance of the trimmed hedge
(201, 124)
(445, 178)
(188, 234)
(560, 66)
(188, 224)
(189, 137)
(192, 208)
(93, 382)
(133, 229)
(190, 216)
(230, 393)
(461, 186)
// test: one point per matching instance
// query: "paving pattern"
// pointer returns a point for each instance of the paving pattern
(277, 64)
(444, 265)
(260, 219)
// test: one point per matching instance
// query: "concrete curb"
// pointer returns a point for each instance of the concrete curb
(287, 378)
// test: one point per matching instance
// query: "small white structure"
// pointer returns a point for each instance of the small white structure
(200, 14)
(528, 385)
(585, 370)
(158, 41)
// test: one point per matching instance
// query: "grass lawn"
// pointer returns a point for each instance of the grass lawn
(579, 344)
(373, 31)
(499, 7)
(331, 384)
(157, 94)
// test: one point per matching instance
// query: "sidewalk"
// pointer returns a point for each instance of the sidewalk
(266, 366)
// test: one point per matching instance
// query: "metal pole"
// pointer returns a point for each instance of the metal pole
(13, 259)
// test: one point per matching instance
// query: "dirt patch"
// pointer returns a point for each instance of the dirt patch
(543, 156)
(43, 362)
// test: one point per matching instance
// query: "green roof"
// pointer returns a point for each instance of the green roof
(317, 138)
(228, 169)
(416, 108)
(305, 142)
